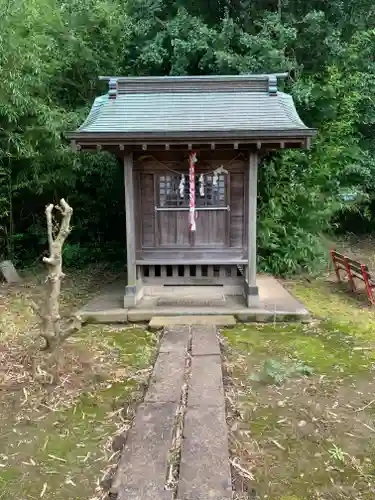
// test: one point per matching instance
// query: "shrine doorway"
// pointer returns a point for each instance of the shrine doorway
(172, 211)
(162, 199)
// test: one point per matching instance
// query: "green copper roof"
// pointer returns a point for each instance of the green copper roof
(162, 105)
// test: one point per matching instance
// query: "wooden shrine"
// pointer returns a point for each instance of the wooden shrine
(191, 148)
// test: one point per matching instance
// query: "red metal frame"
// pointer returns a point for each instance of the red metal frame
(337, 270)
(369, 286)
(350, 275)
(366, 276)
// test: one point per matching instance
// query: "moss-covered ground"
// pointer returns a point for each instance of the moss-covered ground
(56, 438)
(301, 401)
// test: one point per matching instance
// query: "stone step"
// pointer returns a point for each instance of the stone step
(191, 301)
(192, 296)
(158, 322)
(204, 340)
(204, 468)
(142, 468)
(191, 290)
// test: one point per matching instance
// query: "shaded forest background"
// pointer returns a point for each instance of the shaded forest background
(52, 51)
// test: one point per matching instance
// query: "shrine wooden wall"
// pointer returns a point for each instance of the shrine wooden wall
(215, 229)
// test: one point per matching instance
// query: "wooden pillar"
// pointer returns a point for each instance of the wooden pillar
(131, 288)
(251, 289)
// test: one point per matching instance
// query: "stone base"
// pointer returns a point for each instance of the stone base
(253, 300)
(158, 322)
(129, 301)
(133, 294)
(251, 295)
(272, 303)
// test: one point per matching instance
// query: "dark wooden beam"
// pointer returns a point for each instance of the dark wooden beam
(254, 145)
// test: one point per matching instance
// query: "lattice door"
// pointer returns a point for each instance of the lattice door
(172, 207)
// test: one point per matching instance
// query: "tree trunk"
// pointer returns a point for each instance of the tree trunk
(51, 330)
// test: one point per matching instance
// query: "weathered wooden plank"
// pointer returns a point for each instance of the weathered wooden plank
(198, 253)
(211, 228)
(236, 209)
(147, 209)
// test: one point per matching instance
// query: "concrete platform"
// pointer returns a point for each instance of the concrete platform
(276, 304)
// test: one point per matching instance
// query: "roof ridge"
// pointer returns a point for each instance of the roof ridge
(246, 76)
(207, 83)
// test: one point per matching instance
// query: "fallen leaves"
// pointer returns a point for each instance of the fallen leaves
(57, 458)
(70, 442)
(44, 489)
(242, 471)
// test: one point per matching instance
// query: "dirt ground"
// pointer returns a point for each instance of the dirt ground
(59, 439)
(301, 398)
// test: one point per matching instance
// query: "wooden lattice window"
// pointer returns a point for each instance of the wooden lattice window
(169, 191)
(212, 195)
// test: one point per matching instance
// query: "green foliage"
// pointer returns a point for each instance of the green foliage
(51, 53)
(50, 57)
(337, 454)
(277, 372)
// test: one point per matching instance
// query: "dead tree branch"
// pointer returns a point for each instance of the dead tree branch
(49, 314)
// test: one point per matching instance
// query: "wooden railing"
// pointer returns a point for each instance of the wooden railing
(202, 272)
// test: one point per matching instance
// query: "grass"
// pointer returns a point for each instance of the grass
(300, 398)
(60, 440)
(304, 434)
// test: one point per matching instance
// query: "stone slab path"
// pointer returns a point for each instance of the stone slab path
(180, 430)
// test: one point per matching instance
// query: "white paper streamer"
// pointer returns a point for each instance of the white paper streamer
(201, 185)
(215, 178)
(181, 187)
(217, 172)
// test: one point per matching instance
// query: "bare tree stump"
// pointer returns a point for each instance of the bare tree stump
(49, 313)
